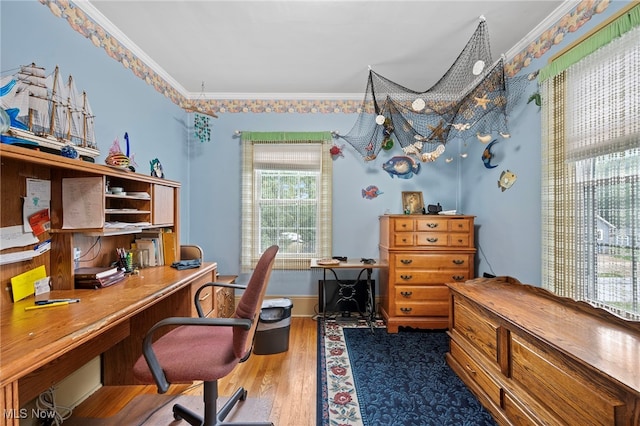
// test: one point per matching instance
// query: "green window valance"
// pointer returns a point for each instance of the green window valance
(603, 36)
(281, 137)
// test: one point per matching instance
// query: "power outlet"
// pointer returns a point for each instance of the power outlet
(76, 257)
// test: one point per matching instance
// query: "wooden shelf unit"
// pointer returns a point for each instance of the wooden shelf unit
(160, 209)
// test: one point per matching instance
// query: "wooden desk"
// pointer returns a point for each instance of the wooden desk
(40, 347)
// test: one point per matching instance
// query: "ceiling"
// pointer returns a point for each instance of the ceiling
(299, 48)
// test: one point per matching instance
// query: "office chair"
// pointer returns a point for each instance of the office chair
(190, 252)
(206, 349)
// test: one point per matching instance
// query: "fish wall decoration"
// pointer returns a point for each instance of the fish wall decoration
(371, 192)
(507, 179)
(402, 166)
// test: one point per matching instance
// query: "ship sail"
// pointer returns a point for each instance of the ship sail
(46, 112)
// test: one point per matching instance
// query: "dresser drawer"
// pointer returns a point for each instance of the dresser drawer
(479, 330)
(403, 225)
(443, 224)
(404, 239)
(418, 293)
(433, 239)
(433, 223)
(488, 385)
(565, 392)
(433, 261)
(422, 308)
(409, 276)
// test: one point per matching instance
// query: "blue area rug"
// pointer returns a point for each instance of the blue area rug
(378, 378)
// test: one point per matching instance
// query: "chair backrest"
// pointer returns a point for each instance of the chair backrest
(190, 252)
(250, 303)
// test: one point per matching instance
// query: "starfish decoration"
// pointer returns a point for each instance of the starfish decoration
(482, 102)
(437, 133)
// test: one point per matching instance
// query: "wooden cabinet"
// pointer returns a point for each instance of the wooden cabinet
(534, 358)
(423, 253)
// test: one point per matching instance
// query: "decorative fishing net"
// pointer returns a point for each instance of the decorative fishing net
(472, 98)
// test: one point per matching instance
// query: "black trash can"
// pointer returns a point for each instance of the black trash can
(272, 334)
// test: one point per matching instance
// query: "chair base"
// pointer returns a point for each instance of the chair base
(212, 417)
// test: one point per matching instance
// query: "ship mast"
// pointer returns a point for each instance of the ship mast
(54, 103)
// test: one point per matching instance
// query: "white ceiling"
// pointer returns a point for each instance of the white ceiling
(298, 48)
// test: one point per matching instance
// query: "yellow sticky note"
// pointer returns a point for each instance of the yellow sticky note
(23, 285)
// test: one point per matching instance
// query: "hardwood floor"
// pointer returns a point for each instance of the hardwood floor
(288, 379)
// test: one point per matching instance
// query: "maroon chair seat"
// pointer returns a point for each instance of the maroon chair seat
(206, 349)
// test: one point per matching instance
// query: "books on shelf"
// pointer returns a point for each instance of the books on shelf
(97, 277)
(95, 271)
(161, 245)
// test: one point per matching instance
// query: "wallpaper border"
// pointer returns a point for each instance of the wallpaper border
(101, 38)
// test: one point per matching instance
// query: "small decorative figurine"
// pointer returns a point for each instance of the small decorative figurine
(156, 168)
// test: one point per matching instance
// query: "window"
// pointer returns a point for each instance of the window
(286, 197)
(591, 170)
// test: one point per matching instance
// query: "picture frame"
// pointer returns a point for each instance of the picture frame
(412, 202)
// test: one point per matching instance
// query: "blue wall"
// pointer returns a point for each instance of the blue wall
(508, 223)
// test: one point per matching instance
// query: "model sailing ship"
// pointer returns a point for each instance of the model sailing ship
(40, 110)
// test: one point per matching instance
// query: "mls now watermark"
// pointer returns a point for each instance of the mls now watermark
(24, 413)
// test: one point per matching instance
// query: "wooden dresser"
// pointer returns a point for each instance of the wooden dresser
(423, 253)
(537, 359)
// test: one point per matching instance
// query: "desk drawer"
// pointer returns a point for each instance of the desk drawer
(205, 297)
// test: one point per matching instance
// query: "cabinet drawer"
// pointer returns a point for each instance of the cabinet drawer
(488, 385)
(402, 225)
(418, 293)
(567, 393)
(433, 261)
(410, 276)
(422, 308)
(520, 416)
(478, 330)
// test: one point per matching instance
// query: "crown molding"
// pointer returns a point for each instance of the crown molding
(115, 32)
(543, 26)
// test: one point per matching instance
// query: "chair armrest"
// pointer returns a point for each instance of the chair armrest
(196, 297)
(147, 343)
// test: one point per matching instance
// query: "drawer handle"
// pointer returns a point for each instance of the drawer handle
(458, 261)
(404, 225)
(432, 225)
(406, 277)
(205, 297)
(406, 261)
(460, 241)
(458, 277)
(432, 239)
(404, 240)
(470, 370)
(406, 293)
(405, 310)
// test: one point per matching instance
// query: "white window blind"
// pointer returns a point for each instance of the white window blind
(286, 197)
(591, 170)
